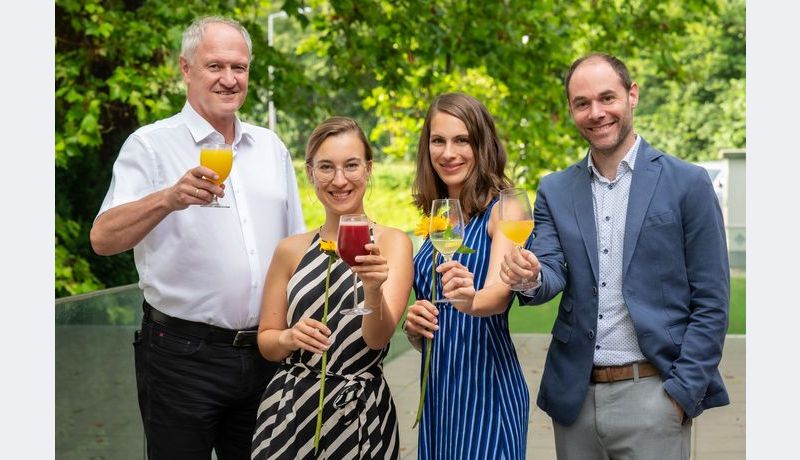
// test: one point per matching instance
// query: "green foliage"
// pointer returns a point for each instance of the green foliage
(382, 62)
(698, 107)
(117, 69)
(387, 201)
(73, 275)
(397, 56)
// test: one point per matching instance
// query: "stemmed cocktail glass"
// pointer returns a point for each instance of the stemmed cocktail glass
(353, 235)
(218, 157)
(446, 231)
(516, 223)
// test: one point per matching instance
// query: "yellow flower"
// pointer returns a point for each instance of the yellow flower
(328, 247)
(424, 226)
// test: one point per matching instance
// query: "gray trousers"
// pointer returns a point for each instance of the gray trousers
(632, 419)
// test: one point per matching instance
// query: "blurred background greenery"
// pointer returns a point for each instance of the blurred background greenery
(382, 62)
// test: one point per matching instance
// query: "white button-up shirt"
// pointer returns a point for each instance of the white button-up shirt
(208, 264)
(616, 342)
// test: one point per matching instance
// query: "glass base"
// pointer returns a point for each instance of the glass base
(450, 301)
(356, 311)
(214, 205)
(525, 285)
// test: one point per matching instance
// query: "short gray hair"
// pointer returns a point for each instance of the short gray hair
(194, 33)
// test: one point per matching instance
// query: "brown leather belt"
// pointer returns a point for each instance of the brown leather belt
(610, 374)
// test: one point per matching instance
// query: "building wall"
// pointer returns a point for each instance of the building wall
(736, 207)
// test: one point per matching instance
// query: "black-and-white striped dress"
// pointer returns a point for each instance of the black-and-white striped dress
(359, 416)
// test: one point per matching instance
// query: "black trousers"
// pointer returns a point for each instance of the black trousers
(196, 396)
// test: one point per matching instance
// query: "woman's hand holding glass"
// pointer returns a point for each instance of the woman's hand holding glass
(457, 283)
(351, 242)
(446, 234)
(373, 270)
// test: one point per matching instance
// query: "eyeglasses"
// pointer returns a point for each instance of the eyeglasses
(325, 172)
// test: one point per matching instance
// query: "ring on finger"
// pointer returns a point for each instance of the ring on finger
(196, 191)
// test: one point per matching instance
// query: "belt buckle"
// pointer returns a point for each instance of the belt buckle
(244, 338)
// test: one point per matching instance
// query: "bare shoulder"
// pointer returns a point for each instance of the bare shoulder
(494, 220)
(290, 250)
(390, 236)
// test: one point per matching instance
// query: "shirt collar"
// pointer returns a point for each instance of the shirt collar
(627, 162)
(201, 129)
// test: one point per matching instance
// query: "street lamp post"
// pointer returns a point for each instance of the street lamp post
(270, 20)
(270, 27)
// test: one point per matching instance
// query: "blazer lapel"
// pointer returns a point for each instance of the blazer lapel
(584, 212)
(643, 184)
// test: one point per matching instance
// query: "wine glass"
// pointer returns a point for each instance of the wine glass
(446, 231)
(353, 235)
(516, 223)
(218, 157)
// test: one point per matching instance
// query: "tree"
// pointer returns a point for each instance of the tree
(383, 62)
(398, 55)
(116, 70)
(698, 107)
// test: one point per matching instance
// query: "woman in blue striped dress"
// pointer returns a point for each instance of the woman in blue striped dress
(477, 402)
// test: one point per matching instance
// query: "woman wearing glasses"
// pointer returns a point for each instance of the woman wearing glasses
(359, 417)
(476, 403)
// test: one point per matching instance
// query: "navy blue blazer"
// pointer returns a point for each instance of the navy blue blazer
(676, 280)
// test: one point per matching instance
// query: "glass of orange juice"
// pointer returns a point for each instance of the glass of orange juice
(516, 223)
(218, 157)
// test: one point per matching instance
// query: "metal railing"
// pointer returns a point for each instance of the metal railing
(97, 413)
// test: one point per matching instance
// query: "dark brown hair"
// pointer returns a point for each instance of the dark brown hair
(334, 126)
(616, 64)
(487, 177)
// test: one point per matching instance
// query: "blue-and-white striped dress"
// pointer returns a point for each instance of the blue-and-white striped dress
(477, 400)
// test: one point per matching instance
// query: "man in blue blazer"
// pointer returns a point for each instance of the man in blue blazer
(635, 240)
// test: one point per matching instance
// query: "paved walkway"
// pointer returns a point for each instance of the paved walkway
(717, 434)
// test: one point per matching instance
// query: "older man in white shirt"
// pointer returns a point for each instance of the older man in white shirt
(199, 374)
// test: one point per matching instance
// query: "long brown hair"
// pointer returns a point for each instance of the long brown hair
(488, 175)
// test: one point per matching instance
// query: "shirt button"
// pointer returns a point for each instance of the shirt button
(603, 284)
(605, 251)
(252, 251)
(608, 218)
(254, 285)
(600, 316)
(591, 334)
(244, 220)
(597, 347)
(610, 186)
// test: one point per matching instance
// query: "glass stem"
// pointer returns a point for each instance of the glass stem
(355, 290)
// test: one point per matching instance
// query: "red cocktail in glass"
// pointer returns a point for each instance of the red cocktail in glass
(351, 240)
(353, 235)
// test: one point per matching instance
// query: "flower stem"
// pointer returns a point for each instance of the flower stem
(324, 361)
(428, 348)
